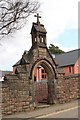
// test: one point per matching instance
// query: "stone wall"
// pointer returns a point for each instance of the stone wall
(16, 94)
(67, 88)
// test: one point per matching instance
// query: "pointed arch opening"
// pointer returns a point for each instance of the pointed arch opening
(43, 76)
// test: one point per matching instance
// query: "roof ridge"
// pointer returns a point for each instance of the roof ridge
(67, 52)
(73, 50)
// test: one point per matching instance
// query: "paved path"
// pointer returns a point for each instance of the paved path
(45, 111)
(66, 113)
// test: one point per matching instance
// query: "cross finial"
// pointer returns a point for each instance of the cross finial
(37, 17)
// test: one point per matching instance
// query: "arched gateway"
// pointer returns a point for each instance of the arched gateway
(40, 66)
(40, 58)
(34, 78)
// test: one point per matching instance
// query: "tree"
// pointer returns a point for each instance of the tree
(55, 49)
(14, 13)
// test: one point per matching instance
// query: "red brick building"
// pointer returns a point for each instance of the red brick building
(40, 74)
(69, 62)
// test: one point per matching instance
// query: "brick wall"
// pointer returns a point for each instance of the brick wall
(69, 70)
(67, 88)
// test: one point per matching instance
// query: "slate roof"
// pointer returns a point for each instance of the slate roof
(39, 28)
(19, 62)
(68, 58)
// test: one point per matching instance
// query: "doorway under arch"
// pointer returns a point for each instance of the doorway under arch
(44, 87)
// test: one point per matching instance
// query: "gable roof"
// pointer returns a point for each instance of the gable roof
(38, 28)
(19, 62)
(67, 58)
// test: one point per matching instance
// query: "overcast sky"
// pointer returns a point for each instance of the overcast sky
(60, 18)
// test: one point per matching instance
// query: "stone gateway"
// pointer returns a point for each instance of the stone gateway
(20, 90)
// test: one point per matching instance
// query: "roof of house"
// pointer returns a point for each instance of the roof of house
(67, 58)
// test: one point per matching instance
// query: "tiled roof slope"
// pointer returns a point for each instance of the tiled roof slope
(67, 58)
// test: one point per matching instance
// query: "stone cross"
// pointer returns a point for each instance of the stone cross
(37, 17)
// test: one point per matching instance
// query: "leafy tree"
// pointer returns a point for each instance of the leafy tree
(14, 13)
(55, 49)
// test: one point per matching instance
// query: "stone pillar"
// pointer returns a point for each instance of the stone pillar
(51, 92)
(32, 92)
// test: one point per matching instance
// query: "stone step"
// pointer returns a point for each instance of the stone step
(43, 106)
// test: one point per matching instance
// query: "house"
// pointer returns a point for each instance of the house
(69, 62)
(40, 74)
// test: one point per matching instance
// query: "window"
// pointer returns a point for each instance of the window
(43, 71)
(43, 74)
(35, 39)
(42, 40)
(69, 69)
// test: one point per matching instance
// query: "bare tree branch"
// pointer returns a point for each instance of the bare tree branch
(15, 12)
